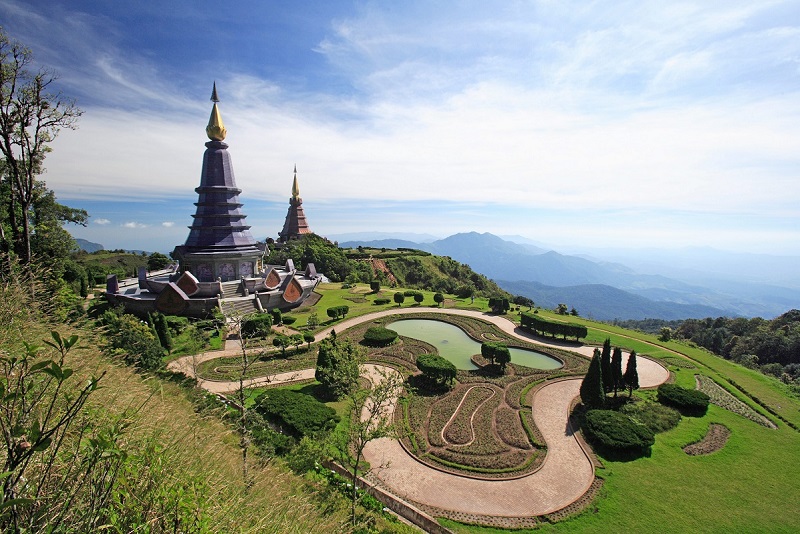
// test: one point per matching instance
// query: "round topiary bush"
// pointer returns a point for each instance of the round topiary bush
(378, 336)
(616, 431)
(289, 319)
(687, 401)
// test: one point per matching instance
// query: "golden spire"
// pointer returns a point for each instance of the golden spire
(215, 130)
(295, 187)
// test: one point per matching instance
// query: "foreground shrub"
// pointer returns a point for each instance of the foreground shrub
(617, 432)
(300, 414)
(436, 369)
(687, 401)
(378, 336)
(382, 300)
(257, 326)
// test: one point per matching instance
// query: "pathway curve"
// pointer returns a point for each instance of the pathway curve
(564, 476)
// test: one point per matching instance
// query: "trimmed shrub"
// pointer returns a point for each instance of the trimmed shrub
(617, 432)
(657, 417)
(437, 369)
(378, 336)
(299, 413)
(399, 298)
(532, 323)
(337, 312)
(259, 325)
(277, 316)
(438, 298)
(289, 319)
(687, 401)
(382, 301)
(375, 286)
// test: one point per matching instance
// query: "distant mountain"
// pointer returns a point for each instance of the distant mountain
(606, 303)
(88, 246)
(730, 293)
(362, 237)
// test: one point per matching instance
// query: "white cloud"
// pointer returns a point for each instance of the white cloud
(168, 224)
(102, 221)
(134, 225)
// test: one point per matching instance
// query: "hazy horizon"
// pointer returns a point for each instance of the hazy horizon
(637, 124)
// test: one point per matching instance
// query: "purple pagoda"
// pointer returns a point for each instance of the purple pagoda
(219, 246)
(220, 266)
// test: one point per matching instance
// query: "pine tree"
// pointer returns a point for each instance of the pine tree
(616, 370)
(631, 376)
(605, 361)
(592, 394)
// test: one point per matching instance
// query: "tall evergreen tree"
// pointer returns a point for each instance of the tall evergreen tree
(631, 376)
(592, 394)
(605, 364)
(616, 370)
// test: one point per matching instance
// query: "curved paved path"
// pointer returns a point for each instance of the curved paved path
(565, 475)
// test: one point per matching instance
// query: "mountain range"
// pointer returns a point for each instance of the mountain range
(688, 283)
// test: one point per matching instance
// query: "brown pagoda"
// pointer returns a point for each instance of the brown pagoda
(295, 225)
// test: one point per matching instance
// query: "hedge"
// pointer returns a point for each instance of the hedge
(616, 431)
(382, 300)
(301, 414)
(259, 325)
(537, 325)
(687, 401)
(378, 336)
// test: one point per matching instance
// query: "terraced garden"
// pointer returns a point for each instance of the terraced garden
(483, 426)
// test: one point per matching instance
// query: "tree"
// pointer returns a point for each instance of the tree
(308, 337)
(605, 363)
(573, 312)
(375, 286)
(296, 340)
(561, 309)
(399, 298)
(437, 369)
(665, 334)
(523, 301)
(616, 370)
(338, 364)
(592, 394)
(631, 376)
(487, 351)
(502, 356)
(282, 341)
(370, 413)
(313, 320)
(162, 331)
(157, 261)
(438, 298)
(418, 298)
(31, 116)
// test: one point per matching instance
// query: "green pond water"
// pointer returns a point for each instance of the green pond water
(456, 346)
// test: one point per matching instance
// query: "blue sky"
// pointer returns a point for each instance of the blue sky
(622, 124)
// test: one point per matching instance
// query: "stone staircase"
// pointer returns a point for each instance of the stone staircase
(238, 305)
(231, 289)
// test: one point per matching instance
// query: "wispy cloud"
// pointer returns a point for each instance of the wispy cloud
(168, 224)
(525, 112)
(134, 225)
(102, 221)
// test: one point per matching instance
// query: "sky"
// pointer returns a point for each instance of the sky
(619, 124)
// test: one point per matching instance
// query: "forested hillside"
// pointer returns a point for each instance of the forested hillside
(401, 267)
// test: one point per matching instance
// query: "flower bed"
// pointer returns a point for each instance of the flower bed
(460, 431)
(724, 399)
(509, 428)
(485, 442)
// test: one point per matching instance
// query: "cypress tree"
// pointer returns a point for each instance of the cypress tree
(616, 370)
(162, 331)
(608, 380)
(592, 394)
(631, 376)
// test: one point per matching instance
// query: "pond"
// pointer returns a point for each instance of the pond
(456, 346)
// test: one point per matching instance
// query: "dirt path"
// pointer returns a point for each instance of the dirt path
(565, 475)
